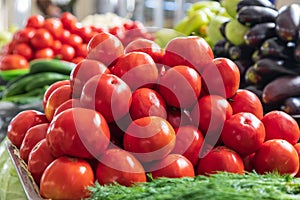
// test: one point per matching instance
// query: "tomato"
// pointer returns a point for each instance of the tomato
(276, 155)
(71, 103)
(67, 178)
(172, 166)
(54, 26)
(32, 137)
(67, 52)
(244, 133)
(19, 125)
(220, 158)
(51, 88)
(226, 79)
(74, 40)
(39, 158)
(35, 21)
(56, 98)
(56, 46)
(44, 53)
(83, 71)
(178, 117)
(64, 36)
(42, 38)
(13, 61)
(107, 94)
(189, 141)
(68, 135)
(280, 125)
(147, 102)
(23, 49)
(81, 50)
(180, 86)
(105, 48)
(149, 138)
(85, 32)
(297, 147)
(24, 35)
(117, 165)
(246, 101)
(77, 60)
(68, 20)
(248, 162)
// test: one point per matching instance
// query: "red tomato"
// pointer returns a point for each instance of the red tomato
(83, 71)
(248, 162)
(56, 46)
(35, 21)
(44, 53)
(220, 158)
(244, 133)
(297, 147)
(67, 178)
(68, 135)
(13, 61)
(32, 137)
(149, 138)
(81, 50)
(189, 141)
(276, 155)
(51, 88)
(147, 102)
(178, 117)
(107, 94)
(24, 50)
(105, 48)
(71, 103)
(180, 86)
(67, 52)
(64, 36)
(117, 165)
(85, 32)
(19, 125)
(77, 60)
(39, 158)
(68, 20)
(74, 40)
(54, 26)
(280, 125)
(42, 38)
(246, 101)
(24, 35)
(226, 77)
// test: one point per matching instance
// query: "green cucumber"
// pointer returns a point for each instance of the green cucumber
(51, 65)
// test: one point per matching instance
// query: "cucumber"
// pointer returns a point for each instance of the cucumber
(51, 65)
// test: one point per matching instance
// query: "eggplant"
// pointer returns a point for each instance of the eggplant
(240, 52)
(221, 48)
(259, 33)
(288, 22)
(252, 15)
(255, 89)
(297, 52)
(291, 105)
(275, 47)
(262, 3)
(222, 28)
(253, 78)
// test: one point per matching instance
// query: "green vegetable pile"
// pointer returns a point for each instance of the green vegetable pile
(217, 187)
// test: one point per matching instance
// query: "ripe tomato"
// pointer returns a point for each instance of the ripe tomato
(276, 155)
(39, 158)
(71, 103)
(56, 46)
(35, 21)
(54, 26)
(67, 52)
(67, 133)
(149, 138)
(172, 166)
(246, 101)
(44, 53)
(244, 133)
(51, 88)
(248, 162)
(32, 137)
(180, 86)
(178, 117)
(19, 125)
(13, 61)
(81, 50)
(68, 20)
(226, 79)
(23, 49)
(77, 60)
(83, 71)
(105, 48)
(107, 94)
(147, 102)
(189, 141)
(67, 178)
(24, 35)
(220, 158)
(74, 40)
(85, 32)
(137, 69)
(117, 165)
(64, 36)
(297, 147)
(280, 125)
(42, 38)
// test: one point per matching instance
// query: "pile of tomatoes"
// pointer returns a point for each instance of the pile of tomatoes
(61, 38)
(136, 109)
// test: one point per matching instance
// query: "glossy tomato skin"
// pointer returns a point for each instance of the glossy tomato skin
(189, 141)
(68, 135)
(44, 53)
(83, 71)
(68, 20)
(118, 165)
(24, 50)
(172, 166)
(24, 35)
(35, 21)
(147, 102)
(51, 88)
(179, 117)
(137, 69)
(32, 137)
(67, 178)
(280, 125)
(297, 147)
(149, 138)
(67, 52)
(248, 162)
(246, 101)
(19, 125)
(244, 133)
(13, 61)
(42, 38)
(276, 155)
(105, 48)
(220, 158)
(180, 86)
(107, 94)
(39, 158)
(71, 103)
(54, 26)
